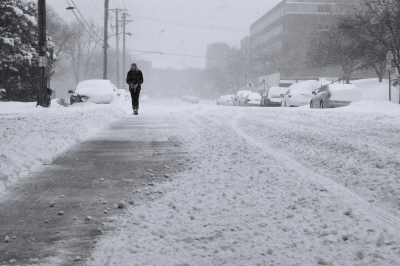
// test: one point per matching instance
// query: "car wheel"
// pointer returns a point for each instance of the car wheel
(321, 105)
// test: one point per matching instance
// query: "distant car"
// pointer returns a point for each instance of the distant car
(253, 99)
(239, 97)
(95, 91)
(273, 97)
(334, 95)
(300, 94)
(192, 99)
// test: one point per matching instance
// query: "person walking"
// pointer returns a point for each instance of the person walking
(135, 79)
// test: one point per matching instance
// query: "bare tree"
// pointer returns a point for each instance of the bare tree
(337, 47)
(380, 21)
(83, 52)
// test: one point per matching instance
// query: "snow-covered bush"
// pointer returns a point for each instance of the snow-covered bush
(19, 69)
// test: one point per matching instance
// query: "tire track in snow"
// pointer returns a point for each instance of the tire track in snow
(377, 214)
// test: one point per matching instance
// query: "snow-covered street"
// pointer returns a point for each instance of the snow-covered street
(271, 187)
(256, 186)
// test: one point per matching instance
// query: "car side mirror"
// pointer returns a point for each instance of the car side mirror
(290, 96)
(70, 91)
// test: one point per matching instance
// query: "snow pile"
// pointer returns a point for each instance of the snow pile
(239, 201)
(373, 106)
(344, 92)
(31, 137)
(372, 89)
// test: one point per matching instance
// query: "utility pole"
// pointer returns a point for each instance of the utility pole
(124, 22)
(389, 59)
(42, 91)
(116, 11)
(105, 44)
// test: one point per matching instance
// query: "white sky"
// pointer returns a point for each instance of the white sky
(168, 38)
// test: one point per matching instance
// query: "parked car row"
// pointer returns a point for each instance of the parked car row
(317, 94)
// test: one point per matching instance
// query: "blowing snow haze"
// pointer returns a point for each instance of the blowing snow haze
(157, 25)
(211, 132)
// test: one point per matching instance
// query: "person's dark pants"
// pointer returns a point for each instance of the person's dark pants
(135, 99)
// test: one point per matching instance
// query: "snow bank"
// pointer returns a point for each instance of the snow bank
(372, 106)
(372, 89)
(31, 137)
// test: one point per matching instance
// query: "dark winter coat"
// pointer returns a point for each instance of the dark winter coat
(133, 78)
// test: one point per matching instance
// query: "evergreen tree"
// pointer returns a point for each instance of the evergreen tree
(19, 70)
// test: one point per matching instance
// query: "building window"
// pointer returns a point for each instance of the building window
(324, 8)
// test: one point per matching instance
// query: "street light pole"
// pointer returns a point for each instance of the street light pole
(42, 91)
(117, 10)
(124, 23)
(117, 26)
(105, 44)
(389, 59)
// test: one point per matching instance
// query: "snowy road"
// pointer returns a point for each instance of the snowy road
(272, 187)
(257, 186)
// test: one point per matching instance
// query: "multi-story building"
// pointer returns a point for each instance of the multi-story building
(216, 56)
(245, 50)
(288, 28)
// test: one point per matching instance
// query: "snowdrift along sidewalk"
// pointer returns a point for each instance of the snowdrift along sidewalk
(31, 137)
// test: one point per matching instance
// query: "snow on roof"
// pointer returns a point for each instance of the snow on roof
(338, 87)
(305, 87)
(94, 87)
(275, 92)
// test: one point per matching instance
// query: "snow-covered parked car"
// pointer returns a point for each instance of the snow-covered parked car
(253, 99)
(240, 97)
(228, 100)
(273, 97)
(225, 100)
(335, 95)
(300, 94)
(94, 90)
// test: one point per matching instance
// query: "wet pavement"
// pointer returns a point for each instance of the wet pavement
(90, 179)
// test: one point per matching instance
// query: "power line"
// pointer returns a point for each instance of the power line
(83, 26)
(191, 25)
(86, 21)
(124, 4)
(184, 55)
